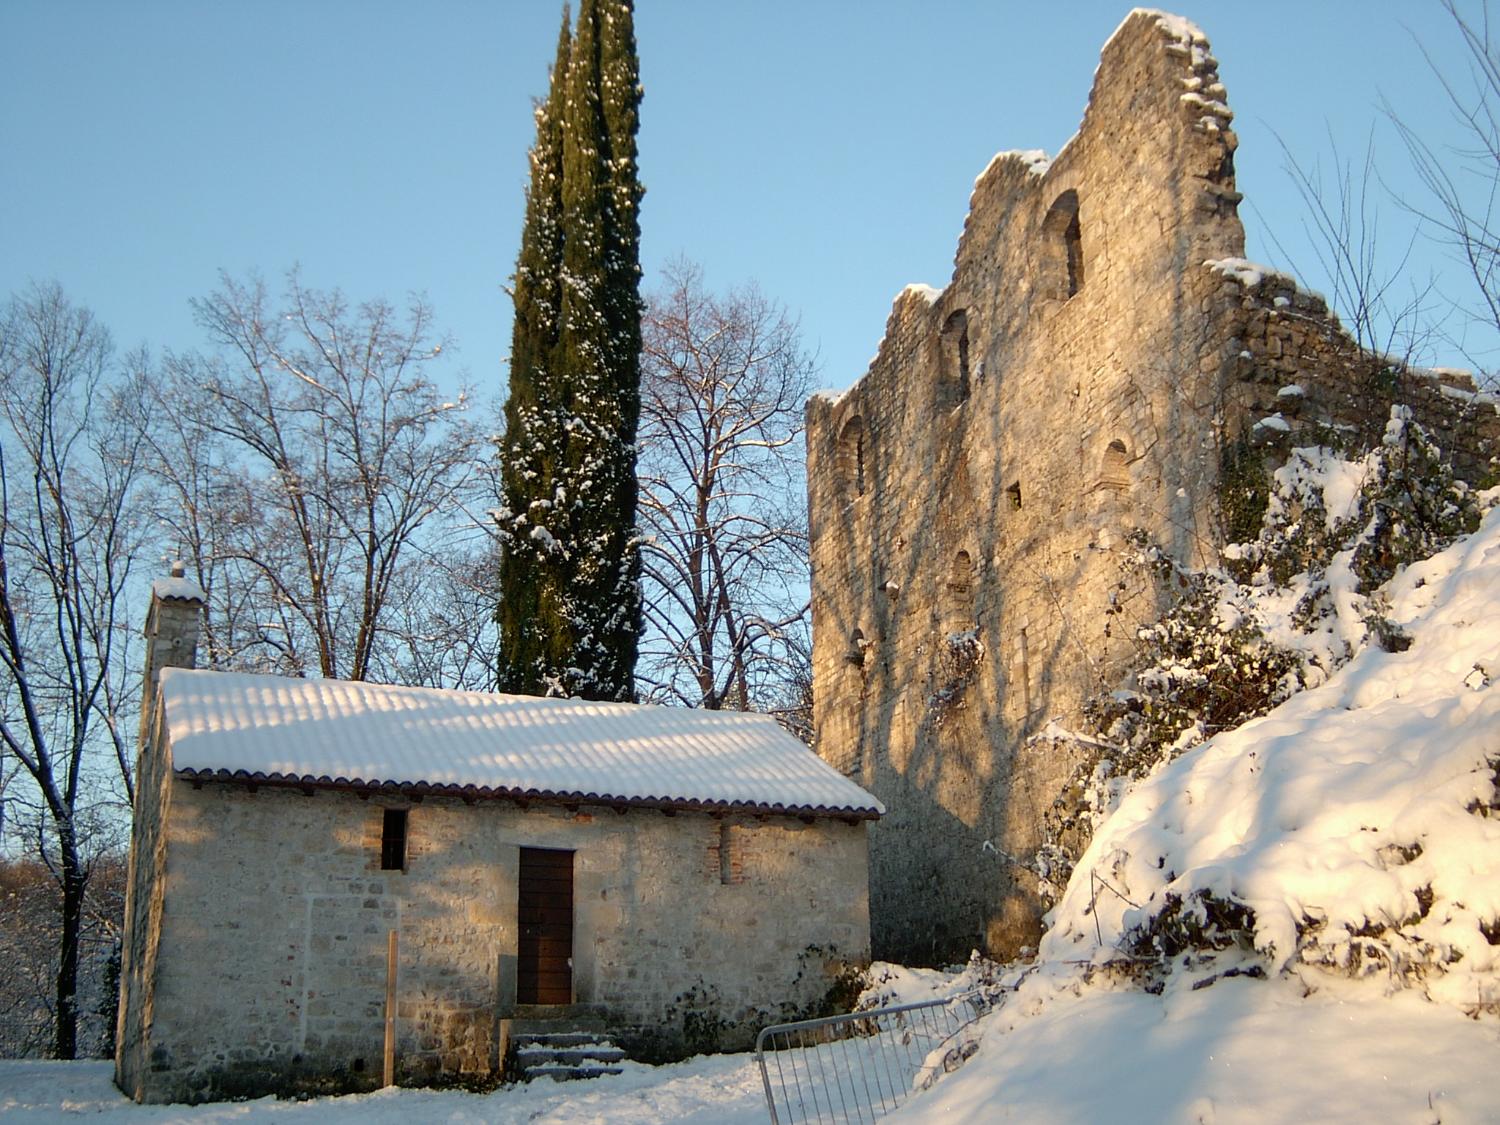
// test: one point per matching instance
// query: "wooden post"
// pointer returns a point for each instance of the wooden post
(389, 1071)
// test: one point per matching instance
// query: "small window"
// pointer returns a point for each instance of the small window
(393, 841)
(731, 860)
(1114, 471)
(1013, 496)
(953, 387)
(851, 458)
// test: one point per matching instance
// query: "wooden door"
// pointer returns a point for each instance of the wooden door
(544, 914)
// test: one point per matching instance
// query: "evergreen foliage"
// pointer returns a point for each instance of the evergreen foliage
(570, 562)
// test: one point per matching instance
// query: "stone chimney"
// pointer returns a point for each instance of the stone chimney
(171, 631)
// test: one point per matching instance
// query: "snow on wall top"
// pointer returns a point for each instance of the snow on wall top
(1253, 274)
(1178, 28)
(929, 293)
(233, 724)
(179, 588)
(1035, 160)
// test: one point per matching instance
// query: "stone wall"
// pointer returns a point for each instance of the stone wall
(171, 635)
(271, 969)
(1293, 376)
(141, 942)
(1079, 379)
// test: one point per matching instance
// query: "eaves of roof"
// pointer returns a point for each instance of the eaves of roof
(471, 794)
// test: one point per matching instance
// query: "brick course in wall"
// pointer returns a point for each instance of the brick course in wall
(969, 498)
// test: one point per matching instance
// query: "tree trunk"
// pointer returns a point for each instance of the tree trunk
(73, 881)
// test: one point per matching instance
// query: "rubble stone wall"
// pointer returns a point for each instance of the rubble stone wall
(270, 973)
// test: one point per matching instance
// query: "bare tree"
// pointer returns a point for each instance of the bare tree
(1462, 181)
(1387, 313)
(69, 461)
(722, 500)
(30, 936)
(320, 480)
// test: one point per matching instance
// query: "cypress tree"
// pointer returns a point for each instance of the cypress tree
(570, 566)
(533, 448)
(620, 101)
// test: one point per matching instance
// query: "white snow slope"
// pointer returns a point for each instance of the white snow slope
(1350, 821)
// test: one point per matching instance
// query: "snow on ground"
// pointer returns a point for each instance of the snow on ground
(1244, 1052)
(722, 1090)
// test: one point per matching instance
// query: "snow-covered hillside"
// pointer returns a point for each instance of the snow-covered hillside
(1299, 919)
(1353, 830)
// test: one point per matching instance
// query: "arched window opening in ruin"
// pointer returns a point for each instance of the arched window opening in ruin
(954, 374)
(958, 595)
(1063, 253)
(1013, 496)
(1114, 471)
(851, 458)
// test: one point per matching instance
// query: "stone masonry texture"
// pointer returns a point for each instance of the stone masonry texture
(1076, 382)
(263, 962)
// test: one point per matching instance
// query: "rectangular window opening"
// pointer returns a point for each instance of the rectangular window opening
(393, 840)
(726, 859)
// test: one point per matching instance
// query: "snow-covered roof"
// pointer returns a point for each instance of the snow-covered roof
(331, 732)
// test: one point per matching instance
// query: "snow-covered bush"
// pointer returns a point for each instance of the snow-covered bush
(1205, 666)
(1289, 607)
(1353, 829)
(1336, 575)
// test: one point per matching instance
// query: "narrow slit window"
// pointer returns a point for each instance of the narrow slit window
(958, 607)
(1013, 494)
(1073, 240)
(851, 458)
(857, 646)
(393, 840)
(729, 859)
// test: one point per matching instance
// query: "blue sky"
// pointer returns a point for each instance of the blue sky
(825, 150)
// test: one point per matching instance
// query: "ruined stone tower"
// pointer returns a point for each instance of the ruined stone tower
(1099, 346)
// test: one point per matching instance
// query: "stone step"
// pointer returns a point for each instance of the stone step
(567, 1073)
(562, 1052)
(574, 1022)
(558, 1039)
(529, 1054)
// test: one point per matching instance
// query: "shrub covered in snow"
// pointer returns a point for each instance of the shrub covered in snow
(1285, 610)
(1355, 827)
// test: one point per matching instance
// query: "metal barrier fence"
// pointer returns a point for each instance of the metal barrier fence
(859, 1067)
